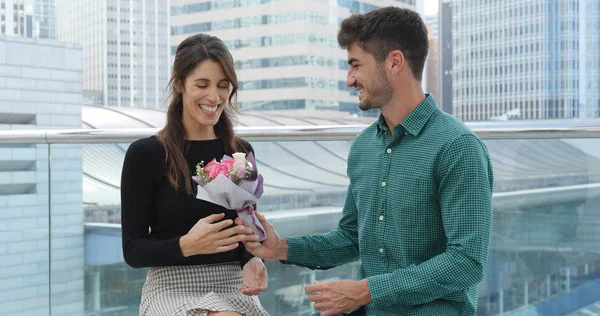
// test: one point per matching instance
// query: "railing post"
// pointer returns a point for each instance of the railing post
(568, 279)
(586, 269)
(501, 301)
(548, 285)
(97, 301)
(526, 294)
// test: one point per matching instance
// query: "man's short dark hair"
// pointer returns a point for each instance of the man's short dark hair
(386, 29)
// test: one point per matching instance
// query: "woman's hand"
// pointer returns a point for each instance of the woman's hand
(254, 277)
(207, 237)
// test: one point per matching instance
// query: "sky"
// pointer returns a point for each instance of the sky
(431, 7)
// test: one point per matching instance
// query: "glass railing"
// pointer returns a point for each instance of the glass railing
(60, 238)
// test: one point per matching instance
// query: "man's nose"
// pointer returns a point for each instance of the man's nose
(350, 80)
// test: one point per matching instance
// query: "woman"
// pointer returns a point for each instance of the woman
(193, 248)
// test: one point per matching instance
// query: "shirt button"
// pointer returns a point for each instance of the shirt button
(381, 250)
(389, 150)
(381, 217)
(383, 183)
(405, 133)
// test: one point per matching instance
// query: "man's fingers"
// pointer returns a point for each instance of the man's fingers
(316, 298)
(252, 238)
(315, 288)
(263, 220)
(320, 306)
(330, 312)
(252, 245)
(247, 290)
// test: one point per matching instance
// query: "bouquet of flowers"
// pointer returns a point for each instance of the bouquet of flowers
(233, 183)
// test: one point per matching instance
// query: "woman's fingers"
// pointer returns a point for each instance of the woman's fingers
(227, 247)
(221, 225)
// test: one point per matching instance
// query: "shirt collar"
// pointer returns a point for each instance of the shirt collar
(415, 121)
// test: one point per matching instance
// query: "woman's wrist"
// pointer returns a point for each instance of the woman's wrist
(183, 246)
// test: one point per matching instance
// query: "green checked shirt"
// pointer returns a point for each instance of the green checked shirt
(418, 215)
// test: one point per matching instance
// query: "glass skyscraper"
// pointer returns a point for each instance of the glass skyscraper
(28, 18)
(530, 59)
(125, 49)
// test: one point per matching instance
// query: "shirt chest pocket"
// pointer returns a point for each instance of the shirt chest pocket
(412, 199)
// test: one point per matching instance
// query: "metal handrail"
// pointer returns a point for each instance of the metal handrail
(489, 130)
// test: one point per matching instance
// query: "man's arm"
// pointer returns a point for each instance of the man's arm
(331, 249)
(465, 178)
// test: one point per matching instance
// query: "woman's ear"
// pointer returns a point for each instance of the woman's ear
(178, 86)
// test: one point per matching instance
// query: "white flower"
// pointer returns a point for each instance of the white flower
(239, 157)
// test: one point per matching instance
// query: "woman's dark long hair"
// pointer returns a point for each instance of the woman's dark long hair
(192, 51)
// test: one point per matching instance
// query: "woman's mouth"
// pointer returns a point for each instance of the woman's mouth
(209, 109)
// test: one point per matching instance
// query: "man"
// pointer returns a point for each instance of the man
(418, 210)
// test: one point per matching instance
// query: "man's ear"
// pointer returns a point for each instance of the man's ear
(396, 60)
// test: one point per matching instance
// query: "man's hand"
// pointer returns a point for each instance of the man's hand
(254, 277)
(339, 296)
(272, 248)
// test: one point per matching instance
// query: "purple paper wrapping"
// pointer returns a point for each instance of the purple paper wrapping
(239, 197)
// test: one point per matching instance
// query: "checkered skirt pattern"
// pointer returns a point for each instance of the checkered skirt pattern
(195, 290)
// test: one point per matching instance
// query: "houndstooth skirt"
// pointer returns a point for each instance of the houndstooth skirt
(195, 290)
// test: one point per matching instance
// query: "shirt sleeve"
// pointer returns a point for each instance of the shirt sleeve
(465, 179)
(137, 189)
(331, 249)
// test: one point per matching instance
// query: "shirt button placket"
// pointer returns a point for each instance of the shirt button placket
(387, 158)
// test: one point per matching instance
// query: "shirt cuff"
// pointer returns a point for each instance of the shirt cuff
(297, 252)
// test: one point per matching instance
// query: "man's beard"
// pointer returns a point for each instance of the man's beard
(379, 94)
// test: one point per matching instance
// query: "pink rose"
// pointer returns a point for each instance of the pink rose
(229, 162)
(219, 168)
(210, 165)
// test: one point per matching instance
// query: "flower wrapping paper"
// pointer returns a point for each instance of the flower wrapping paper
(239, 197)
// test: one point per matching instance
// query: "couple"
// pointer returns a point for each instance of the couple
(417, 214)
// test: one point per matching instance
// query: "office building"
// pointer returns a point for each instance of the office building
(431, 77)
(28, 18)
(125, 49)
(445, 53)
(530, 59)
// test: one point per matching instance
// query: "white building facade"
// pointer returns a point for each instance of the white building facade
(40, 88)
(125, 49)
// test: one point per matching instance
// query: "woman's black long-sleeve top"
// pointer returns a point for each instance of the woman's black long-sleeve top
(154, 216)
